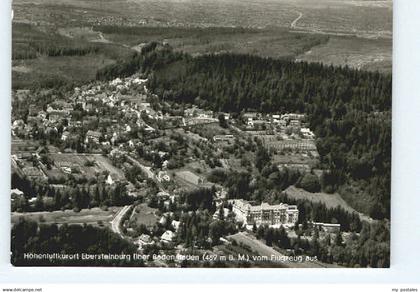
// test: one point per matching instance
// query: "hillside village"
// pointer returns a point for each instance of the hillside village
(128, 147)
(114, 119)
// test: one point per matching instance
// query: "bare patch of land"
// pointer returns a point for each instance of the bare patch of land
(367, 54)
(143, 214)
(66, 69)
(79, 163)
(330, 200)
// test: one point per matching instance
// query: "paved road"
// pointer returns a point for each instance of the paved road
(115, 223)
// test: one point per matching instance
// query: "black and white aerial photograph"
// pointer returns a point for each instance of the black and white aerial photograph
(201, 133)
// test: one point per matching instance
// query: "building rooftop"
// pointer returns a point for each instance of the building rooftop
(96, 134)
(245, 205)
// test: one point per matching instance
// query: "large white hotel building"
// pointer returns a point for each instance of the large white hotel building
(272, 215)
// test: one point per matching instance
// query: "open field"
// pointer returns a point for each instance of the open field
(143, 214)
(294, 158)
(105, 163)
(330, 200)
(44, 57)
(359, 18)
(88, 216)
(270, 141)
(356, 52)
(79, 162)
(49, 70)
(208, 131)
(189, 177)
(74, 161)
(186, 179)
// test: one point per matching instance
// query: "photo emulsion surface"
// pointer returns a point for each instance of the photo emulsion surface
(201, 133)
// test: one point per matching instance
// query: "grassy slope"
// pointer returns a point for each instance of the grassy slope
(72, 69)
(330, 200)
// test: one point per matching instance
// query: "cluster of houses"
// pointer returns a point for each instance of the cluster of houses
(39, 118)
(112, 95)
(100, 131)
(92, 127)
(145, 239)
(195, 116)
(63, 118)
(167, 237)
(293, 122)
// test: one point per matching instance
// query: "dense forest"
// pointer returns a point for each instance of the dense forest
(31, 237)
(196, 228)
(349, 110)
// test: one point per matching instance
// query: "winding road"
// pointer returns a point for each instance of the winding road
(115, 223)
(293, 24)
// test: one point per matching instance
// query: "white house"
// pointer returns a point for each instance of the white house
(112, 178)
(175, 224)
(144, 240)
(163, 176)
(225, 213)
(17, 192)
(168, 236)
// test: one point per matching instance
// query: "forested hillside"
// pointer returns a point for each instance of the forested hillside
(349, 110)
(31, 237)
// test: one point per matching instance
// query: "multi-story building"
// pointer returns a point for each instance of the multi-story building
(272, 215)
